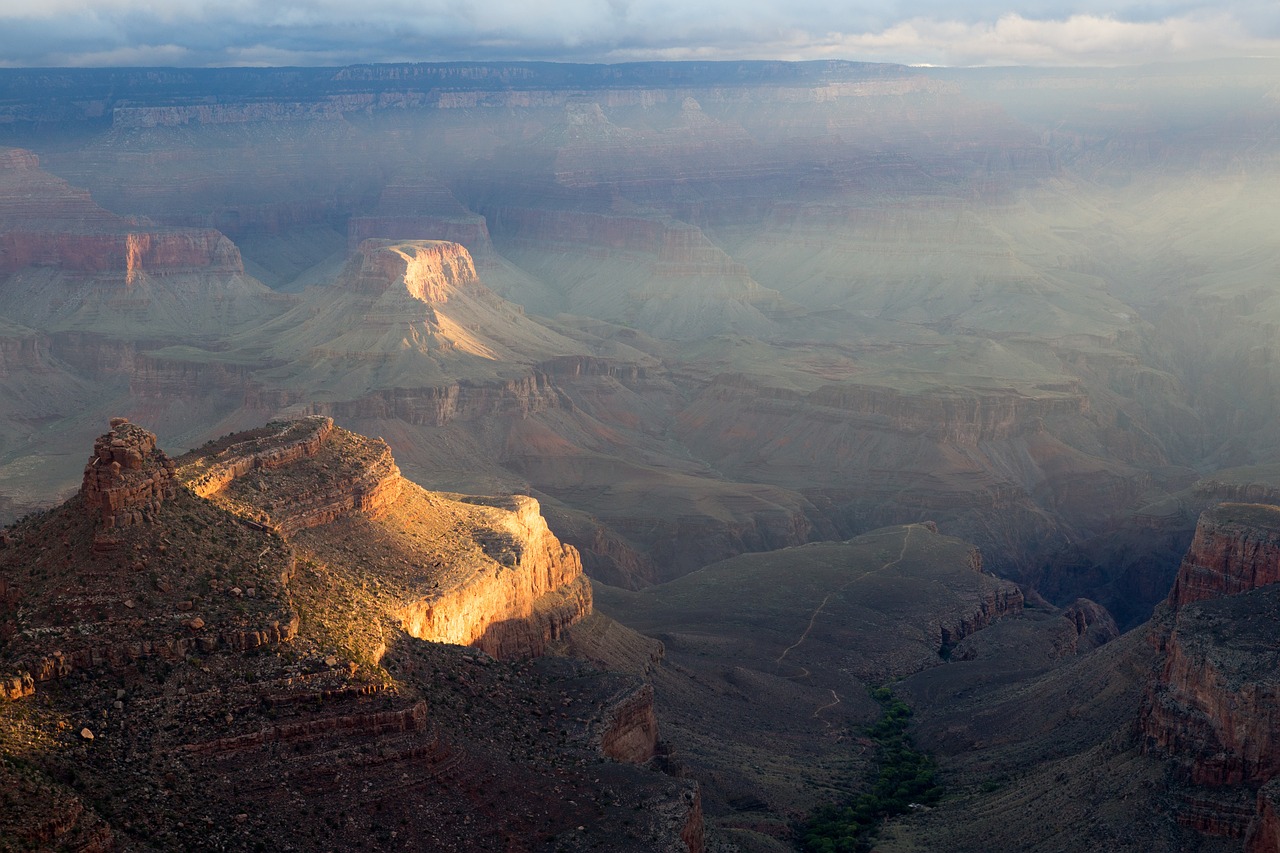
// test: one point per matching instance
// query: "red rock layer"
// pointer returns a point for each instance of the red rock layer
(1223, 731)
(1236, 548)
(1213, 708)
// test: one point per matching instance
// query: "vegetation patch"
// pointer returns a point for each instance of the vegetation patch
(903, 777)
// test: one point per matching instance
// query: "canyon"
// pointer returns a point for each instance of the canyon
(639, 414)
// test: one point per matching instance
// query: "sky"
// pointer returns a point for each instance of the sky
(921, 32)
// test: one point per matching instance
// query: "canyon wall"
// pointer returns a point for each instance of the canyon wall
(1213, 708)
(1236, 548)
(50, 224)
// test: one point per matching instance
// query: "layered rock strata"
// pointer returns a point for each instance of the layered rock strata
(48, 223)
(128, 477)
(630, 730)
(1236, 548)
(281, 444)
(1213, 707)
(474, 571)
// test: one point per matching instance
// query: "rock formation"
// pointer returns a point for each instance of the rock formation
(128, 477)
(473, 571)
(248, 644)
(1236, 548)
(1213, 708)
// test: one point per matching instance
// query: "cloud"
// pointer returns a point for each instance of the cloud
(1077, 40)
(326, 32)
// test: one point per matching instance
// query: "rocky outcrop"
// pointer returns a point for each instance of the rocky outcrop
(997, 600)
(277, 444)
(1236, 548)
(477, 571)
(429, 269)
(695, 830)
(1094, 626)
(630, 729)
(128, 477)
(537, 591)
(17, 686)
(371, 486)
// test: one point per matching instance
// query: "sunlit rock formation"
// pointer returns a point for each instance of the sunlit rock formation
(473, 571)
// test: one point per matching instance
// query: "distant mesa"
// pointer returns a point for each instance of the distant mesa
(429, 269)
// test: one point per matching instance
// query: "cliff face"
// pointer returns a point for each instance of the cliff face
(429, 270)
(1213, 707)
(630, 729)
(48, 223)
(1236, 548)
(531, 596)
(1264, 832)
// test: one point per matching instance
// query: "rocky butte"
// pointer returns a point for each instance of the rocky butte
(246, 660)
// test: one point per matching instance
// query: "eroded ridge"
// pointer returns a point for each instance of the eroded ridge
(276, 444)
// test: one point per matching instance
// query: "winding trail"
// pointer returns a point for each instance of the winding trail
(835, 700)
(813, 619)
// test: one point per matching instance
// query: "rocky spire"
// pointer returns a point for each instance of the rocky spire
(127, 478)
